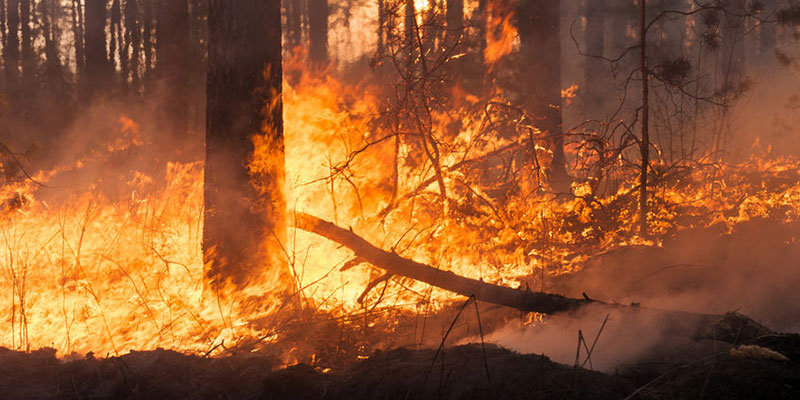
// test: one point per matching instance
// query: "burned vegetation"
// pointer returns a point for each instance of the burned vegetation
(399, 199)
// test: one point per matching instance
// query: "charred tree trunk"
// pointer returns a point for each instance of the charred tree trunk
(77, 33)
(97, 71)
(53, 72)
(147, 42)
(12, 46)
(294, 16)
(173, 70)
(244, 223)
(766, 37)
(133, 41)
(115, 29)
(382, 25)
(28, 64)
(645, 140)
(731, 327)
(595, 73)
(409, 35)
(454, 17)
(318, 31)
(539, 26)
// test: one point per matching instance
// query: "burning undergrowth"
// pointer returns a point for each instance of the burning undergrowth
(101, 252)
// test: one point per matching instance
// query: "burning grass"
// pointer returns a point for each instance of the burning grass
(112, 266)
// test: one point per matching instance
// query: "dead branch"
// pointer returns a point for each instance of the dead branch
(731, 327)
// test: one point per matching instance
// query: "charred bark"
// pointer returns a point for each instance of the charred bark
(730, 327)
(454, 17)
(244, 223)
(11, 49)
(644, 146)
(539, 26)
(98, 70)
(318, 32)
(77, 32)
(172, 51)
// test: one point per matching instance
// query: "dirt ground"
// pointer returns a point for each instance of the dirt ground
(461, 372)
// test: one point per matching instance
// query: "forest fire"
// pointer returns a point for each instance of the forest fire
(444, 169)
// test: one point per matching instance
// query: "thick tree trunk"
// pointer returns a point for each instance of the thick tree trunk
(12, 45)
(97, 71)
(147, 41)
(173, 50)
(318, 31)
(539, 26)
(77, 32)
(53, 71)
(28, 64)
(133, 41)
(730, 327)
(454, 17)
(766, 37)
(294, 15)
(244, 226)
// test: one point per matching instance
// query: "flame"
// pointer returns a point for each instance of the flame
(95, 272)
(501, 32)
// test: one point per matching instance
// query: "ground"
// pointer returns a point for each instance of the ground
(460, 372)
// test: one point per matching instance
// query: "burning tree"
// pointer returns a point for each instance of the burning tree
(244, 225)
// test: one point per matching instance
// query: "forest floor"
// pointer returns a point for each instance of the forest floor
(462, 372)
(752, 269)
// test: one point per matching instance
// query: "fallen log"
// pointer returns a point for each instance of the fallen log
(730, 327)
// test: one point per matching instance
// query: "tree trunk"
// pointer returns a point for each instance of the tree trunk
(12, 45)
(645, 143)
(294, 15)
(318, 31)
(409, 35)
(147, 42)
(454, 17)
(539, 27)
(244, 225)
(173, 70)
(77, 33)
(731, 327)
(133, 40)
(28, 64)
(767, 35)
(595, 73)
(52, 63)
(97, 71)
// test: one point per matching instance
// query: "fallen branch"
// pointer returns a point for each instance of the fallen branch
(731, 327)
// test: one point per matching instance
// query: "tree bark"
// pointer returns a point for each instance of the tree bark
(645, 143)
(172, 50)
(318, 31)
(28, 65)
(767, 35)
(244, 223)
(539, 27)
(454, 18)
(12, 45)
(77, 32)
(294, 15)
(730, 327)
(97, 71)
